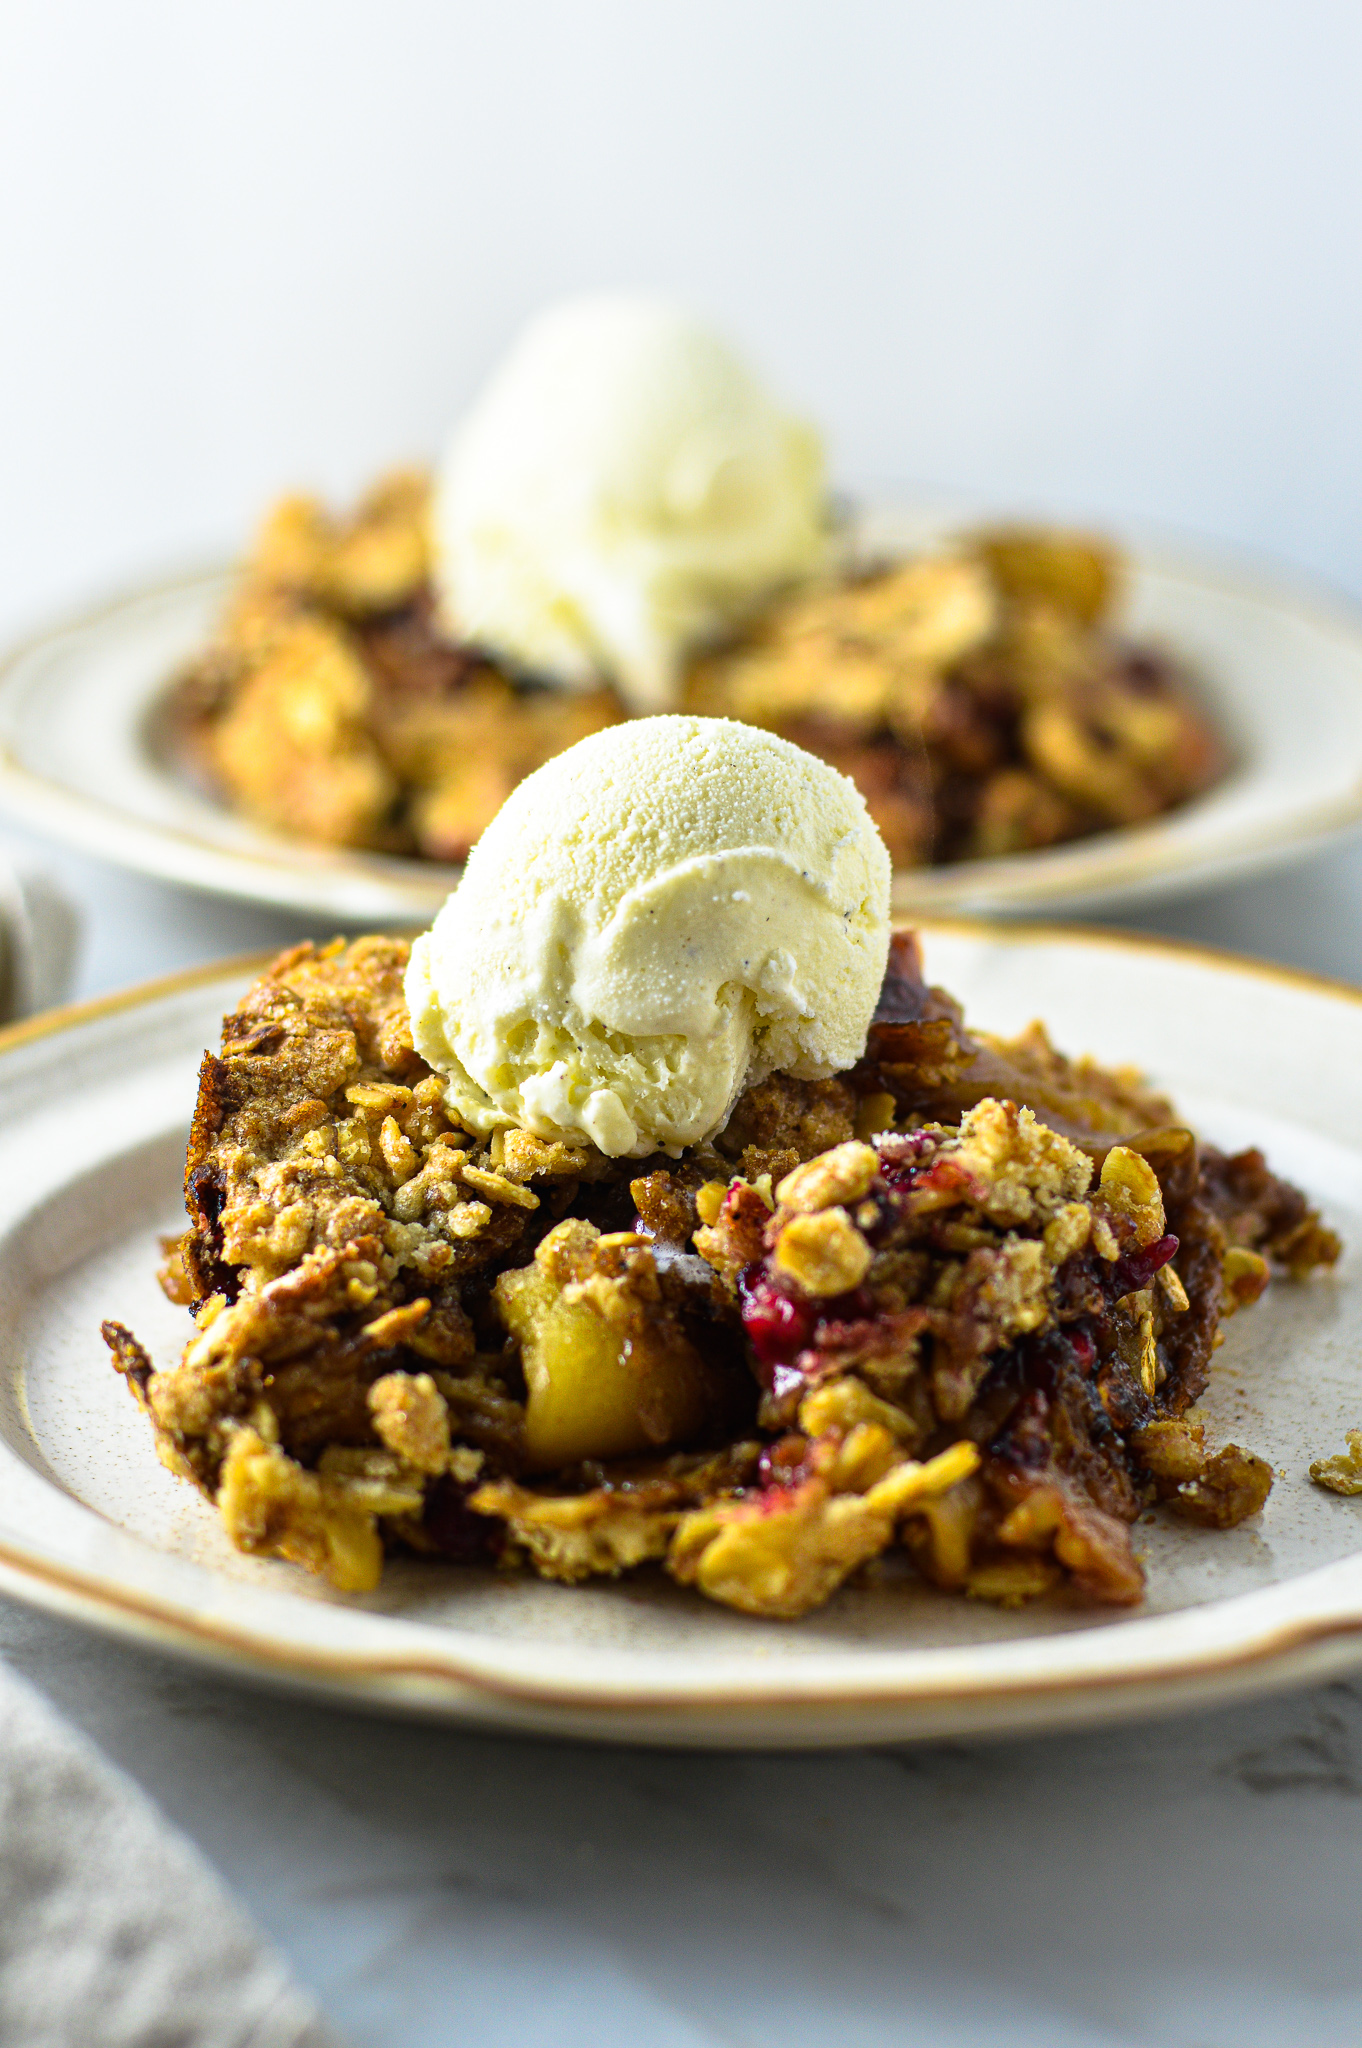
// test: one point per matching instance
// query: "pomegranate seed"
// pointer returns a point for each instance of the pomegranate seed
(777, 1325)
(1084, 1350)
(1137, 1267)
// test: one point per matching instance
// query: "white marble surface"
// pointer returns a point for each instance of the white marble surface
(1189, 1884)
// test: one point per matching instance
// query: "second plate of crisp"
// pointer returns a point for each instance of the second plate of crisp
(89, 755)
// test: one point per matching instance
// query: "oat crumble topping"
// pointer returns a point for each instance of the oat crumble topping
(956, 1304)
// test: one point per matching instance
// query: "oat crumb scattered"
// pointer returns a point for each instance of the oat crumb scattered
(1343, 1472)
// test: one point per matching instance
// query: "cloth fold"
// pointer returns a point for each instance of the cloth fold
(39, 937)
(114, 1932)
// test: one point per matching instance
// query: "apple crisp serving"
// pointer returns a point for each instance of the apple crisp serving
(956, 1304)
(979, 698)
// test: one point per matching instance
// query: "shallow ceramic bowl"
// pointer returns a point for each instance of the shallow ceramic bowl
(83, 754)
(94, 1107)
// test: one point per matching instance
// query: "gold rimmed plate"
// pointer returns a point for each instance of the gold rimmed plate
(94, 1106)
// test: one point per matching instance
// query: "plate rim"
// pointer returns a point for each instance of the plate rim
(1138, 862)
(114, 1609)
(1273, 1650)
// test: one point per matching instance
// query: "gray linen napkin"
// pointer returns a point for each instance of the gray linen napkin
(39, 937)
(114, 1933)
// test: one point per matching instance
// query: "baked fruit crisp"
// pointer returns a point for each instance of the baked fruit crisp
(980, 698)
(956, 1304)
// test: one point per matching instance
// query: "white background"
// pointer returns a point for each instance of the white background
(1095, 255)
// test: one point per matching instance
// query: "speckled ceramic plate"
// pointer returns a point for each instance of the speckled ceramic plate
(94, 1106)
(82, 753)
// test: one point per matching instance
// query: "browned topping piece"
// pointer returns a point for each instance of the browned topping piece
(1218, 1490)
(331, 707)
(1343, 1472)
(790, 1549)
(1075, 573)
(130, 1358)
(370, 563)
(979, 699)
(411, 1416)
(781, 1121)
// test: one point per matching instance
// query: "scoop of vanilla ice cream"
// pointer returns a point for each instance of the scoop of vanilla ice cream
(667, 912)
(622, 489)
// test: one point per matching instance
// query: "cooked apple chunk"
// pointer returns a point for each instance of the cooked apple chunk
(608, 1368)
